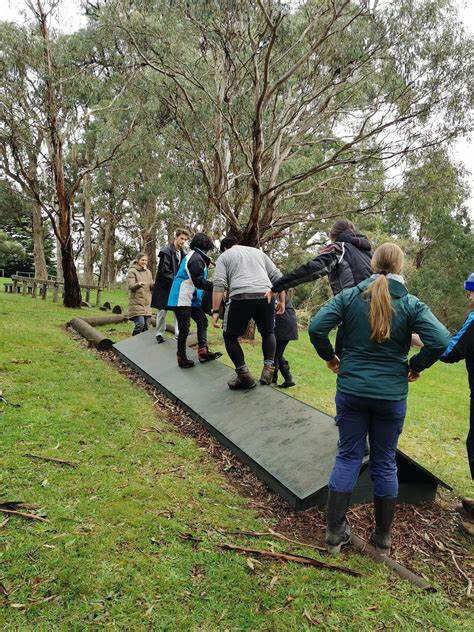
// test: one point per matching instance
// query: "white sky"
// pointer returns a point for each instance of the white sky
(71, 19)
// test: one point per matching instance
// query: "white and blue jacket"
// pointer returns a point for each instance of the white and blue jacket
(190, 281)
(461, 347)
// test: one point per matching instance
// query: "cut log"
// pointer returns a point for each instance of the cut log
(112, 319)
(192, 338)
(94, 337)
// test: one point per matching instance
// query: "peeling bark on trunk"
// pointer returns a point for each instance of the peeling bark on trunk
(59, 262)
(88, 254)
(107, 273)
(148, 233)
(41, 270)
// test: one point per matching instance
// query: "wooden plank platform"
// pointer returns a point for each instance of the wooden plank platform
(288, 444)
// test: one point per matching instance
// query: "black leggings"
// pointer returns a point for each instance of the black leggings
(280, 350)
(236, 353)
(183, 316)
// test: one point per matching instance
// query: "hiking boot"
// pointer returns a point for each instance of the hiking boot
(468, 506)
(184, 363)
(467, 527)
(286, 373)
(160, 339)
(267, 374)
(205, 355)
(338, 531)
(384, 510)
(242, 381)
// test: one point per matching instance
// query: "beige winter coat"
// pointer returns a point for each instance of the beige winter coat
(139, 295)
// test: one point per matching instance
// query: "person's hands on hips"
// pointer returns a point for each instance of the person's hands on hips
(270, 295)
(334, 364)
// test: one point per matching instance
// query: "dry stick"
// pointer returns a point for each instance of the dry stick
(270, 532)
(50, 459)
(4, 522)
(403, 572)
(290, 557)
(465, 575)
(23, 515)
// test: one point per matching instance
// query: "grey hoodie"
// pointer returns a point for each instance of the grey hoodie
(245, 270)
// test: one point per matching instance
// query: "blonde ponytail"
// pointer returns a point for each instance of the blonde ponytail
(388, 258)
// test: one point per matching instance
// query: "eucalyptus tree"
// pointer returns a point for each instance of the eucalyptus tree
(46, 97)
(280, 106)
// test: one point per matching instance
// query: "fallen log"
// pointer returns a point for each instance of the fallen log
(403, 572)
(94, 337)
(290, 557)
(112, 319)
(192, 338)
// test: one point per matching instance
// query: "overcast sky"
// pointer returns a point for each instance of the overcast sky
(71, 19)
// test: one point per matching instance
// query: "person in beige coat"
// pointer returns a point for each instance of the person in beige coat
(140, 286)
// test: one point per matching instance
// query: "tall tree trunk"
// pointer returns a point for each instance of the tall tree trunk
(72, 290)
(88, 254)
(149, 231)
(111, 258)
(59, 262)
(41, 270)
(107, 272)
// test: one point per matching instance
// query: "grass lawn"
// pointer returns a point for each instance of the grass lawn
(111, 556)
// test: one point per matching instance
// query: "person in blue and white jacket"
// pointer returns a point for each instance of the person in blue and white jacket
(186, 297)
(461, 347)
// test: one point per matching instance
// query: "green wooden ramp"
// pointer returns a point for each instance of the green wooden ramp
(287, 443)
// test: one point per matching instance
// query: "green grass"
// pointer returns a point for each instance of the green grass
(111, 555)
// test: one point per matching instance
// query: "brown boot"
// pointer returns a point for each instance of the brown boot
(467, 526)
(468, 506)
(242, 381)
(205, 355)
(267, 374)
(184, 363)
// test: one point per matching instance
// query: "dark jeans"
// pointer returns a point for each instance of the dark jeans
(183, 316)
(382, 420)
(470, 439)
(141, 324)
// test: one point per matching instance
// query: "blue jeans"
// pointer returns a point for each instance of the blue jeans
(141, 324)
(382, 420)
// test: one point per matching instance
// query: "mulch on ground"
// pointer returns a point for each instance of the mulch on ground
(425, 538)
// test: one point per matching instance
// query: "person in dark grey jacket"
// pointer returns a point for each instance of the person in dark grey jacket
(346, 262)
(170, 258)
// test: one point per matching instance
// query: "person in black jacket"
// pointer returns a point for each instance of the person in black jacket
(170, 258)
(346, 263)
(286, 329)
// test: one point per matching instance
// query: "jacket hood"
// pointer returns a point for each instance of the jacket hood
(396, 289)
(356, 239)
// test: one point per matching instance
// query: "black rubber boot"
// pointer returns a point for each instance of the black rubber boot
(285, 371)
(384, 510)
(275, 375)
(338, 531)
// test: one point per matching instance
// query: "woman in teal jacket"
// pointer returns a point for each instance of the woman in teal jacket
(378, 317)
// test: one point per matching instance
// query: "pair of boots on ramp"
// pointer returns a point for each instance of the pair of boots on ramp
(245, 381)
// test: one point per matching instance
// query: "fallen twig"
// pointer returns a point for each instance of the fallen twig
(290, 557)
(465, 575)
(23, 514)
(50, 459)
(275, 534)
(4, 522)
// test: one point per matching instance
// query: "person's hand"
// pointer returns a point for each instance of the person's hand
(334, 364)
(215, 321)
(270, 295)
(280, 308)
(413, 375)
(416, 341)
(141, 284)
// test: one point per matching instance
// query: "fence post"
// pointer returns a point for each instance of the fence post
(33, 289)
(45, 290)
(88, 294)
(55, 292)
(25, 287)
(99, 295)
(15, 286)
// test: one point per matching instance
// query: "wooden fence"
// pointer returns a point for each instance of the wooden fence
(27, 285)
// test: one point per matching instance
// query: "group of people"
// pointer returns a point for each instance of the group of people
(377, 322)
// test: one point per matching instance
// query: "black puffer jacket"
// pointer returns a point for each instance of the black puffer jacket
(346, 262)
(169, 260)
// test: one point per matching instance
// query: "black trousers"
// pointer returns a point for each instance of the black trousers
(280, 350)
(470, 439)
(183, 316)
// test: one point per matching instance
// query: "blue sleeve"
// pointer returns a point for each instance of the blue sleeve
(462, 343)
